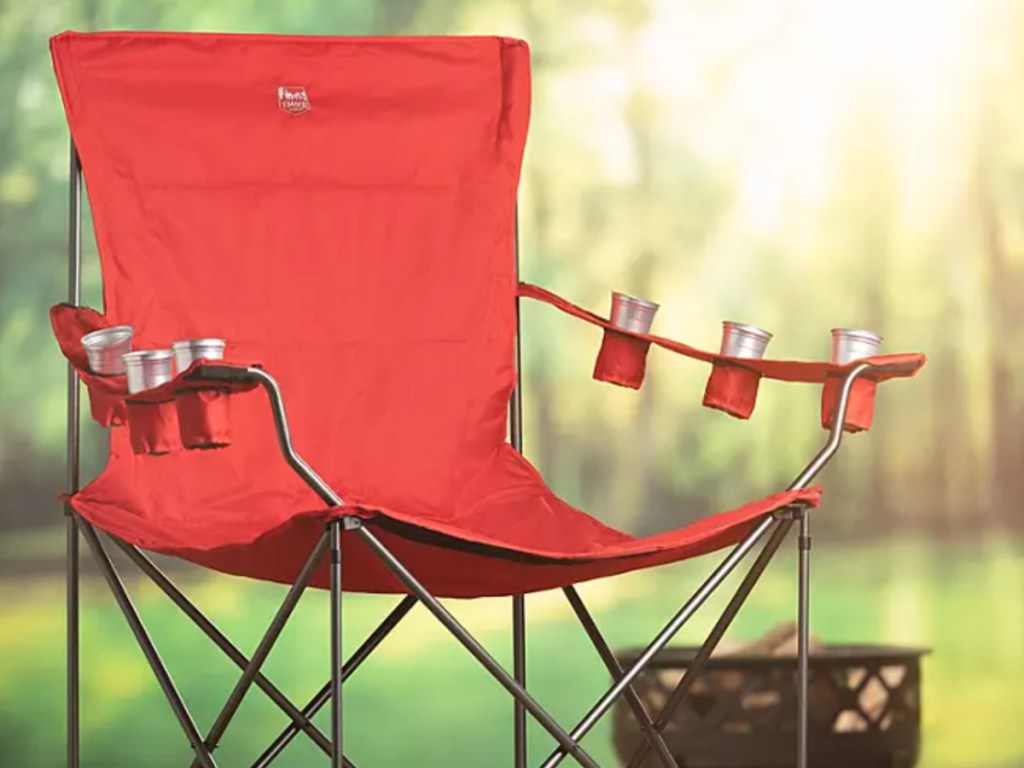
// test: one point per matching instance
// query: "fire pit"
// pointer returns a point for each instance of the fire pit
(865, 709)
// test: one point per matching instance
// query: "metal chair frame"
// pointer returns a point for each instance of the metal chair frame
(772, 530)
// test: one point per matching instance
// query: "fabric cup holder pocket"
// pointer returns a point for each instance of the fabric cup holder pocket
(622, 359)
(193, 419)
(732, 389)
(153, 427)
(107, 409)
(204, 418)
(175, 417)
(861, 410)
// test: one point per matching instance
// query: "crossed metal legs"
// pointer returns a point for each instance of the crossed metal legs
(640, 714)
(568, 742)
(301, 719)
(204, 748)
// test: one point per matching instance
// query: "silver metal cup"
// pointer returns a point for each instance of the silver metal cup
(104, 349)
(849, 344)
(147, 369)
(741, 340)
(187, 351)
(632, 314)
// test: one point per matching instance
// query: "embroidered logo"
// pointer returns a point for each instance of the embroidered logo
(293, 99)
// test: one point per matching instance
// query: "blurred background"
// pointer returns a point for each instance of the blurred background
(796, 164)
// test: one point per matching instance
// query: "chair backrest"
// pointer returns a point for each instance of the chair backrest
(341, 210)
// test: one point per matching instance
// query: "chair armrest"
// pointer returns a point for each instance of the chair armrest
(836, 431)
(255, 376)
(211, 373)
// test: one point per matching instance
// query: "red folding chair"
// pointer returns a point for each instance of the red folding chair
(342, 211)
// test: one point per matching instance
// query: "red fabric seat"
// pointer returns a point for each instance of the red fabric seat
(356, 240)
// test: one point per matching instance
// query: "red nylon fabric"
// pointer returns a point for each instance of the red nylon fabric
(354, 236)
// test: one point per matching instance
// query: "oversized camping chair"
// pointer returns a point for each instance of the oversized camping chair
(342, 211)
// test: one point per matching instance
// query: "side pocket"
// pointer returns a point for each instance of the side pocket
(106, 393)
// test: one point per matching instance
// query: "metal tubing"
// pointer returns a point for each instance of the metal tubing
(299, 720)
(337, 655)
(809, 473)
(643, 719)
(803, 639)
(273, 390)
(72, 607)
(266, 644)
(519, 675)
(516, 403)
(661, 640)
(835, 433)
(714, 637)
(152, 655)
(74, 298)
(568, 744)
(518, 601)
(324, 695)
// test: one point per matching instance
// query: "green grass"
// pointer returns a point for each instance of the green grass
(422, 701)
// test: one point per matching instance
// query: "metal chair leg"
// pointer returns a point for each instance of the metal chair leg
(568, 744)
(643, 718)
(696, 667)
(181, 712)
(73, 690)
(337, 655)
(348, 668)
(519, 673)
(721, 572)
(300, 720)
(277, 624)
(73, 446)
(804, 638)
(515, 425)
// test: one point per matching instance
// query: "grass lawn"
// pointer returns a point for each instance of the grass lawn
(421, 700)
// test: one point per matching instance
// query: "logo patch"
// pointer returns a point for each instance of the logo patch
(293, 99)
